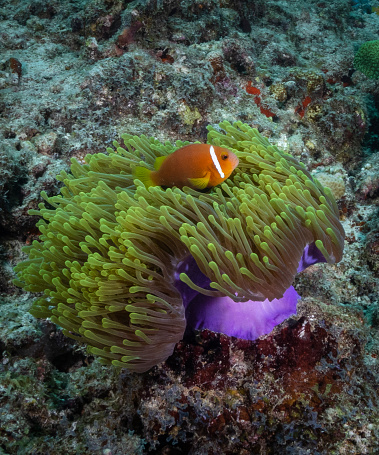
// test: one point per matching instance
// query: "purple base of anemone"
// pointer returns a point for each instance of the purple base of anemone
(311, 255)
(248, 320)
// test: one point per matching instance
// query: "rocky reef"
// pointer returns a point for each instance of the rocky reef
(75, 76)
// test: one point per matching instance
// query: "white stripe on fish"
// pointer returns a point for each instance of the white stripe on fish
(216, 161)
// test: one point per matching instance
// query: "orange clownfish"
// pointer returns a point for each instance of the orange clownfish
(198, 166)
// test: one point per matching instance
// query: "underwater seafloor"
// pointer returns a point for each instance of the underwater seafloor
(74, 75)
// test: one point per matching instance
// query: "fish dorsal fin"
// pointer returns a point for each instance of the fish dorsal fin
(201, 182)
(158, 162)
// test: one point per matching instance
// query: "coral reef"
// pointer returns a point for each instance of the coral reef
(76, 74)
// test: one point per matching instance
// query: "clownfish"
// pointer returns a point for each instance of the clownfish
(198, 166)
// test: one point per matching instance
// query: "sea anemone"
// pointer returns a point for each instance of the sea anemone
(125, 269)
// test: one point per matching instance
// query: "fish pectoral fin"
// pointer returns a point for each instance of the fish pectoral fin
(201, 182)
(158, 162)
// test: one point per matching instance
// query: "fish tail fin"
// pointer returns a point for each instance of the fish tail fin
(144, 174)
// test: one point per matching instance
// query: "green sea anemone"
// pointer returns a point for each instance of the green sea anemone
(118, 263)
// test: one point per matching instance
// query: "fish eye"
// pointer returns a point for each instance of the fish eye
(224, 156)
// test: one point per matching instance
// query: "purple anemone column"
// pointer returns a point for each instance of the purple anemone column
(248, 320)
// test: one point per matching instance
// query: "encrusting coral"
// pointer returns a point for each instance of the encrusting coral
(119, 264)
